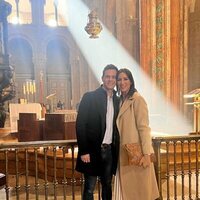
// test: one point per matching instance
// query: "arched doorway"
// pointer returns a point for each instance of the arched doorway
(21, 59)
(58, 72)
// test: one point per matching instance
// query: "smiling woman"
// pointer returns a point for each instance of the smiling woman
(134, 130)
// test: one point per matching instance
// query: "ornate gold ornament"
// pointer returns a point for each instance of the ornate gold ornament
(93, 27)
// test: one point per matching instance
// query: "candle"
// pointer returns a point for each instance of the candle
(34, 88)
(24, 89)
(31, 87)
(27, 87)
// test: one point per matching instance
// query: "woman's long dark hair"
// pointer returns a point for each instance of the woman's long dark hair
(130, 77)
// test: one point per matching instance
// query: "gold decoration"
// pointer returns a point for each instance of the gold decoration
(195, 94)
(93, 27)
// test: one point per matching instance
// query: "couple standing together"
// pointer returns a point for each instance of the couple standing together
(106, 122)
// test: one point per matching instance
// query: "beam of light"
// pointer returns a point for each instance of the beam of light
(105, 50)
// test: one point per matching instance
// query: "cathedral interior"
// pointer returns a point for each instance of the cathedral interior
(53, 51)
(50, 51)
(159, 41)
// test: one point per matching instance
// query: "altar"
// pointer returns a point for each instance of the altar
(55, 126)
(70, 115)
(25, 119)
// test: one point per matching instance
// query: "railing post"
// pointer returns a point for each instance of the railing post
(157, 165)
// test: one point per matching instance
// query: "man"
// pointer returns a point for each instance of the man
(97, 135)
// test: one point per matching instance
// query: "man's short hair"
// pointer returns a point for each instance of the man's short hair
(110, 66)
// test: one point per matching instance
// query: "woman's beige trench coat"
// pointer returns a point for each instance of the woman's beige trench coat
(137, 183)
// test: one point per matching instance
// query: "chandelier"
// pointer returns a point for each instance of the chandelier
(93, 27)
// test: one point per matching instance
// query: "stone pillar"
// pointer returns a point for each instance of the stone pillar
(164, 47)
(127, 26)
(37, 9)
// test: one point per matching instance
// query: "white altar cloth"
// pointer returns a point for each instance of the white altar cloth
(15, 109)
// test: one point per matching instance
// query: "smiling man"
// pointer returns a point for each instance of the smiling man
(97, 135)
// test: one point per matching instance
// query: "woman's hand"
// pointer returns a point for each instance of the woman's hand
(85, 158)
(145, 161)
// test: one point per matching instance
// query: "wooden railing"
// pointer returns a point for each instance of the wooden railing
(51, 164)
(177, 166)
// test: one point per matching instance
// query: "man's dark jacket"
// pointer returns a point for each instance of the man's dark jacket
(90, 131)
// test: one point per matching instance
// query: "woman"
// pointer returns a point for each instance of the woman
(134, 182)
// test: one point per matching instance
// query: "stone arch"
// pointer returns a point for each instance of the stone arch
(58, 70)
(21, 54)
(57, 54)
(65, 37)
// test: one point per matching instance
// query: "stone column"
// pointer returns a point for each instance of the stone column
(37, 9)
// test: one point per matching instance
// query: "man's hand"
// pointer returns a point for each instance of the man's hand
(145, 161)
(85, 158)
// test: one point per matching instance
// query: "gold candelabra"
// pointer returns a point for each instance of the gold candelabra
(29, 91)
